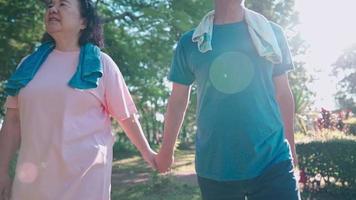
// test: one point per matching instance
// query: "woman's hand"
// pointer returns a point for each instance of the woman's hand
(149, 157)
(5, 186)
(134, 132)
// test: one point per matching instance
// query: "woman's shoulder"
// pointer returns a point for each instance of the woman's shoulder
(107, 61)
(105, 57)
(108, 64)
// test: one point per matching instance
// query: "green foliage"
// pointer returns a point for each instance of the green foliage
(302, 103)
(21, 28)
(330, 167)
(2, 99)
(313, 155)
(123, 148)
(158, 188)
(351, 123)
(140, 36)
(281, 12)
(345, 68)
(284, 14)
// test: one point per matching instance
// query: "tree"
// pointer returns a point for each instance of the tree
(142, 43)
(21, 28)
(140, 36)
(284, 14)
(345, 68)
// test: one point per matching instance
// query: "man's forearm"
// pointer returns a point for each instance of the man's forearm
(173, 120)
(172, 125)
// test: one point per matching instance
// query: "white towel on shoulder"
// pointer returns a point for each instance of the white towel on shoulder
(260, 30)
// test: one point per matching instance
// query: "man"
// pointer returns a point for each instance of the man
(244, 142)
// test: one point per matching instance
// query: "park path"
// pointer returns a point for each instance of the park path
(118, 179)
(133, 171)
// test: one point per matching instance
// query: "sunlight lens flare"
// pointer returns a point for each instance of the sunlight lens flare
(27, 172)
(231, 72)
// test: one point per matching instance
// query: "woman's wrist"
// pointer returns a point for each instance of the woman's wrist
(4, 170)
(146, 151)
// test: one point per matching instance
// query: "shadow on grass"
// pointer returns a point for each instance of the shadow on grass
(157, 188)
(330, 166)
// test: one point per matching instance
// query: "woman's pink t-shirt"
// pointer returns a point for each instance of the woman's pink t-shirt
(66, 138)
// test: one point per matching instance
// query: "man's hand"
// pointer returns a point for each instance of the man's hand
(164, 161)
(173, 120)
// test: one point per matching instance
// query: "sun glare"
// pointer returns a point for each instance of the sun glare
(328, 27)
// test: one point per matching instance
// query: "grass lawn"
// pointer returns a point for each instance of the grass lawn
(133, 180)
(162, 188)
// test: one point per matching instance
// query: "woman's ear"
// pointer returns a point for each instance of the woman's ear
(83, 25)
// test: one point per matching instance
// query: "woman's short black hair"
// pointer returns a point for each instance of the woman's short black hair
(93, 33)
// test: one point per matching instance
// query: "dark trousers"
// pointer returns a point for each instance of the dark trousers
(275, 183)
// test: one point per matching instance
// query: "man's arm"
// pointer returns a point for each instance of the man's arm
(285, 100)
(177, 105)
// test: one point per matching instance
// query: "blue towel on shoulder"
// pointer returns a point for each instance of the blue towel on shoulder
(89, 70)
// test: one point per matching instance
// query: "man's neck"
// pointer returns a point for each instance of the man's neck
(228, 11)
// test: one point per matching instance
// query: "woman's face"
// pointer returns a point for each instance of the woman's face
(63, 18)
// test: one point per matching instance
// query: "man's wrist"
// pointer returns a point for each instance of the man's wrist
(167, 150)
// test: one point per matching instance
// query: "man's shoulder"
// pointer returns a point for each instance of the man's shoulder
(186, 38)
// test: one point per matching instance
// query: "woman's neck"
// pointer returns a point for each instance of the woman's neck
(67, 44)
(228, 11)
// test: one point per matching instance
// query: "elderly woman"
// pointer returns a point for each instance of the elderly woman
(60, 101)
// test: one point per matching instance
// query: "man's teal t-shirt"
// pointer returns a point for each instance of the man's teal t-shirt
(239, 125)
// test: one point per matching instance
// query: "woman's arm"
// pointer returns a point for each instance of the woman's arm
(10, 137)
(133, 130)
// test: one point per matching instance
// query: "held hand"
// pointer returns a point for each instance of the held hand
(5, 187)
(164, 161)
(149, 157)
